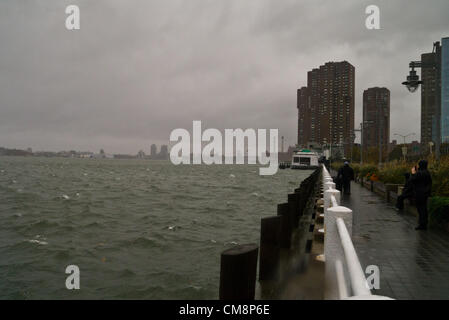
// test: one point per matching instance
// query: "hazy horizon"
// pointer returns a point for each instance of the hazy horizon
(139, 69)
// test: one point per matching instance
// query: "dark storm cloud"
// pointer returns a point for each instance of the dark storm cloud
(138, 69)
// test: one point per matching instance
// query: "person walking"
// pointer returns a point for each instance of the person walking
(422, 187)
(345, 175)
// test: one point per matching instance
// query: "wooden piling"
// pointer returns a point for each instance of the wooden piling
(309, 243)
(311, 227)
(293, 202)
(286, 228)
(238, 272)
(270, 247)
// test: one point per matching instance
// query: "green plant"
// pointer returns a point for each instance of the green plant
(393, 173)
(336, 165)
(440, 177)
(439, 211)
(364, 170)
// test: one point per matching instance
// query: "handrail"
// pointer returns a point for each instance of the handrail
(358, 280)
(338, 236)
(341, 281)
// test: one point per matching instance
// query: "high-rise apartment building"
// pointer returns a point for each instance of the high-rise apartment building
(153, 151)
(430, 95)
(304, 119)
(376, 118)
(326, 106)
(164, 152)
(445, 90)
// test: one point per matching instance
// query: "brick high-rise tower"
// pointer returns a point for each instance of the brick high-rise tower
(304, 117)
(376, 118)
(326, 106)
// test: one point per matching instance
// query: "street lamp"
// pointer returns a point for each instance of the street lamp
(352, 142)
(412, 83)
(361, 141)
(404, 148)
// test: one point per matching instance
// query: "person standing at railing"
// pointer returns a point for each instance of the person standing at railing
(422, 187)
(345, 175)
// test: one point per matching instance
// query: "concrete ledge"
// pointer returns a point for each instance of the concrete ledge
(390, 193)
(392, 187)
(379, 188)
(392, 197)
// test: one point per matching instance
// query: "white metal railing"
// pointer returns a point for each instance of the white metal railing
(334, 201)
(344, 276)
(358, 282)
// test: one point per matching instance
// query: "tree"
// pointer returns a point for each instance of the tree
(395, 154)
(355, 153)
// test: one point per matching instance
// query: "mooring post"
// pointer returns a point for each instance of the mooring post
(286, 228)
(238, 272)
(293, 201)
(270, 247)
(302, 205)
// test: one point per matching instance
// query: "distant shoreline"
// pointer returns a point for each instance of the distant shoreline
(84, 158)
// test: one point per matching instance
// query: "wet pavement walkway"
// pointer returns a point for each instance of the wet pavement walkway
(413, 264)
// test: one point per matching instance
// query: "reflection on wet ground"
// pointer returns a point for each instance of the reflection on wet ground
(413, 264)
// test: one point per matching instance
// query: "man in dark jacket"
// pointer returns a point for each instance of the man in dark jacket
(346, 174)
(422, 187)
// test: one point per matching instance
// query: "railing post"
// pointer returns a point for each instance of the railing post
(329, 185)
(327, 197)
(333, 250)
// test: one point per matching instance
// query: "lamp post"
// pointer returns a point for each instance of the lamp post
(412, 83)
(365, 124)
(430, 147)
(352, 142)
(361, 142)
(379, 121)
(404, 146)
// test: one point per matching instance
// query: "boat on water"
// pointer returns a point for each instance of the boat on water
(305, 159)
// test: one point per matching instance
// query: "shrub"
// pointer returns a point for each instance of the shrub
(440, 178)
(367, 170)
(356, 168)
(394, 173)
(439, 211)
(336, 165)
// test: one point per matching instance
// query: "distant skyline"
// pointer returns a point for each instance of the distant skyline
(139, 69)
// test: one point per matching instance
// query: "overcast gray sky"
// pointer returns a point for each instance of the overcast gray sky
(138, 69)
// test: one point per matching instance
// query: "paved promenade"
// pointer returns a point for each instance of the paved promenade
(413, 264)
